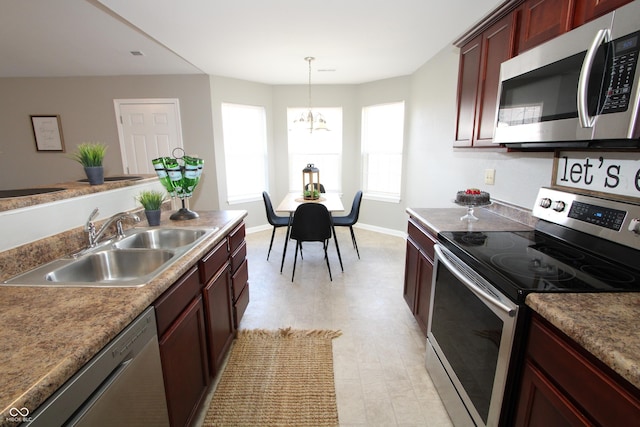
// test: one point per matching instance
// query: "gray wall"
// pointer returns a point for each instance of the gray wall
(85, 105)
(433, 170)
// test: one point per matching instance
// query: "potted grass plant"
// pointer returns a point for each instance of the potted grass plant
(90, 155)
(152, 201)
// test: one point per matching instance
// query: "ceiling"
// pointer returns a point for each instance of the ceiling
(266, 41)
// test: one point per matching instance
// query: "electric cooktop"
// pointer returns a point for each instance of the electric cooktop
(520, 262)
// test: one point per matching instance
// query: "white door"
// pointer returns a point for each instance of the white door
(148, 129)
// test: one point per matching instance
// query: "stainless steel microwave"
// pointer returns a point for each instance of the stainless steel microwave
(579, 90)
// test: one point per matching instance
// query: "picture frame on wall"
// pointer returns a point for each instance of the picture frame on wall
(47, 132)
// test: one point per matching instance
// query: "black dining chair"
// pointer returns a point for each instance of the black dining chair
(275, 220)
(311, 223)
(351, 219)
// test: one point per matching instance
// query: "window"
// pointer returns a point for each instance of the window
(244, 134)
(323, 148)
(382, 141)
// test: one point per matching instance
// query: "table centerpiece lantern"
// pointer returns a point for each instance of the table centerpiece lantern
(311, 182)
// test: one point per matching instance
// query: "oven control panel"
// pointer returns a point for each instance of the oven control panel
(609, 219)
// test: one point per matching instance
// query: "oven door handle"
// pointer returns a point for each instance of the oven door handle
(485, 296)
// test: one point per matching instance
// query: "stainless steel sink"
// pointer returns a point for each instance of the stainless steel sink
(133, 261)
(161, 238)
(112, 266)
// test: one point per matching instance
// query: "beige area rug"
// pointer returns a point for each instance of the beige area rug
(277, 378)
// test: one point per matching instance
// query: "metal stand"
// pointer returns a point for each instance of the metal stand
(183, 213)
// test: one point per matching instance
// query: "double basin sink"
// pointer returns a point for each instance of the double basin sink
(131, 261)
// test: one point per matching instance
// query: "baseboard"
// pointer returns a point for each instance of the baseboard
(381, 230)
(258, 228)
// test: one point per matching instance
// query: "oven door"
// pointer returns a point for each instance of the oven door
(469, 341)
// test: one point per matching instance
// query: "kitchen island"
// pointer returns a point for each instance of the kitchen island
(49, 333)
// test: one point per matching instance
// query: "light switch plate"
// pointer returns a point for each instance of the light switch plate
(489, 176)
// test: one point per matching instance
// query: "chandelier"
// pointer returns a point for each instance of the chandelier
(309, 120)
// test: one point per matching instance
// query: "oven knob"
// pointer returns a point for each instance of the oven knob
(634, 225)
(545, 202)
(559, 206)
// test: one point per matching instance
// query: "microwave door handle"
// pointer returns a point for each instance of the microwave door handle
(486, 297)
(602, 36)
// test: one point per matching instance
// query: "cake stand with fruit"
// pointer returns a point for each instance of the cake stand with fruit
(472, 198)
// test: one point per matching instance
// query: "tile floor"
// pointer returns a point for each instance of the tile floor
(379, 359)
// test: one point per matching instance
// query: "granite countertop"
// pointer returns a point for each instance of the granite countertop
(48, 333)
(605, 324)
(448, 219)
(71, 189)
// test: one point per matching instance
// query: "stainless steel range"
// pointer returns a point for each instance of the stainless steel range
(480, 282)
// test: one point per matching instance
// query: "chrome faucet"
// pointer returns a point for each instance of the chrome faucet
(94, 236)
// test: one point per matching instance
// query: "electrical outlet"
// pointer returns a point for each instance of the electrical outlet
(489, 176)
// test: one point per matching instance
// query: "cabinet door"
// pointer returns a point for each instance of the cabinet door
(600, 393)
(411, 274)
(497, 47)
(587, 10)
(468, 77)
(542, 404)
(183, 351)
(542, 20)
(423, 295)
(219, 316)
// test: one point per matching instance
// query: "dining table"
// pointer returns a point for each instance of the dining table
(290, 203)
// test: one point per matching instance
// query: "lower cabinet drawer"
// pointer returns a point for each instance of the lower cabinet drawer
(213, 261)
(238, 257)
(239, 279)
(171, 304)
(240, 305)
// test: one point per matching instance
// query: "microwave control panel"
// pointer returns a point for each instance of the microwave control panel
(622, 73)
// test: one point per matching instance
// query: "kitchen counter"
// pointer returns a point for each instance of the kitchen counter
(606, 324)
(48, 333)
(69, 190)
(435, 220)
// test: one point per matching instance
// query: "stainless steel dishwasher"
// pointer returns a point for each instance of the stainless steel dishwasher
(122, 385)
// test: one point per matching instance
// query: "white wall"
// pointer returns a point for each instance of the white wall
(247, 93)
(435, 171)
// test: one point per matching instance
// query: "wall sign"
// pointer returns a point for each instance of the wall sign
(606, 173)
(48, 133)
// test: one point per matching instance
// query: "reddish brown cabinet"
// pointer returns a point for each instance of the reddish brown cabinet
(418, 272)
(478, 82)
(197, 319)
(563, 385)
(514, 27)
(239, 272)
(183, 347)
(542, 20)
(587, 10)
(468, 74)
(216, 278)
